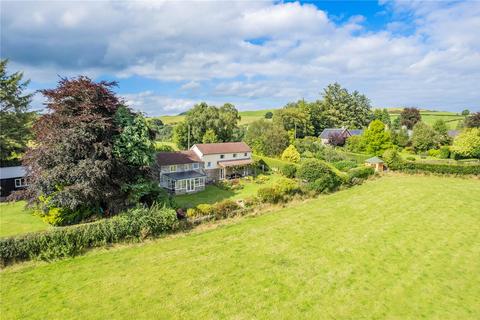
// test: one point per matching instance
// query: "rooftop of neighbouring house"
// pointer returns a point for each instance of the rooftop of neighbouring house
(453, 133)
(356, 132)
(177, 157)
(329, 131)
(222, 147)
(12, 172)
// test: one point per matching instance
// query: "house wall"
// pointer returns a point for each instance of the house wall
(214, 158)
(7, 186)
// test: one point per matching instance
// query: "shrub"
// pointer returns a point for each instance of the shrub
(269, 195)
(434, 152)
(313, 169)
(289, 170)
(135, 224)
(205, 209)
(444, 152)
(329, 154)
(336, 139)
(225, 208)
(326, 183)
(424, 137)
(345, 165)
(467, 143)
(410, 158)
(291, 154)
(286, 186)
(357, 175)
(260, 179)
(391, 157)
(355, 144)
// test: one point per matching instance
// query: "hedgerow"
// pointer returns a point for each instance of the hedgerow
(133, 225)
(422, 167)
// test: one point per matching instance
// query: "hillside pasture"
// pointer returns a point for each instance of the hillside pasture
(399, 247)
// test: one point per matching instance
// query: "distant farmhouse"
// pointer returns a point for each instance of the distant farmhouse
(188, 171)
(11, 179)
(327, 133)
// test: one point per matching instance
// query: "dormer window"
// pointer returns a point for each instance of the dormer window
(222, 156)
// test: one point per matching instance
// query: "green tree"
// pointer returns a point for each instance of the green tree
(89, 152)
(269, 115)
(294, 117)
(400, 137)
(223, 121)
(467, 143)
(210, 136)
(409, 117)
(15, 119)
(424, 137)
(376, 138)
(291, 154)
(344, 109)
(382, 115)
(440, 127)
(134, 144)
(465, 112)
(355, 144)
(266, 138)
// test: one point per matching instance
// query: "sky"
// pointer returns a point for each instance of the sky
(168, 55)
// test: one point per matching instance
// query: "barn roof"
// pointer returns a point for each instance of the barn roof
(12, 172)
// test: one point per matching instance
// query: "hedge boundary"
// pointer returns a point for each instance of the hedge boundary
(419, 167)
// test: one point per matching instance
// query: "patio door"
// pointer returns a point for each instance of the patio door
(222, 174)
(190, 185)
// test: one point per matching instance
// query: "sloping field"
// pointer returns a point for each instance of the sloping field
(400, 247)
(246, 117)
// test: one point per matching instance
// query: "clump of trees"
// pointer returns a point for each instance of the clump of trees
(219, 124)
(266, 138)
(15, 119)
(409, 117)
(91, 154)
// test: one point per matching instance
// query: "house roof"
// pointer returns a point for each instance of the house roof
(223, 147)
(329, 131)
(356, 132)
(12, 172)
(374, 160)
(185, 175)
(179, 157)
(233, 163)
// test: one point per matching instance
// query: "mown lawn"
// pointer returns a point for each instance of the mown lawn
(399, 247)
(15, 219)
(213, 194)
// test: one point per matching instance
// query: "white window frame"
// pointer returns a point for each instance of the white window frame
(195, 165)
(173, 166)
(234, 155)
(222, 156)
(209, 164)
(245, 154)
(20, 182)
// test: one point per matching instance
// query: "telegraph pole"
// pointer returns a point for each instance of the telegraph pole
(188, 138)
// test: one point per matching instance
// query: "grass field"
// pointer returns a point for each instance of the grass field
(15, 219)
(399, 247)
(430, 117)
(213, 194)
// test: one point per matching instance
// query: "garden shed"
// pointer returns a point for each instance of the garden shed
(376, 163)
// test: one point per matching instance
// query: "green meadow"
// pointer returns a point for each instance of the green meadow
(397, 247)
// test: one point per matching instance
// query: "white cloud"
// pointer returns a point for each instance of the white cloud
(151, 104)
(294, 49)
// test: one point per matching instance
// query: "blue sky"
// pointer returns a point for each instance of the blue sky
(166, 56)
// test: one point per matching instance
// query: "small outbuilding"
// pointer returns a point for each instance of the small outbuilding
(11, 179)
(376, 163)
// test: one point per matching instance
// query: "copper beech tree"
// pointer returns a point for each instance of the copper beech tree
(82, 163)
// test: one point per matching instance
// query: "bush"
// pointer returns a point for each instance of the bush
(133, 225)
(444, 152)
(467, 143)
(261, 179)
(225, 208)
(357, 175)
(329, 154)
(355, 144)
(287, 187)
(422, 167)
(391, 157)
(269, 195)
(345, 165)
(410, 158)
(313, 169)
(291, 154)
(289, 170)
(326, 183)
(434, 153)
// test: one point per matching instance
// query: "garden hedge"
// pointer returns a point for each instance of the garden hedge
(133, 225)
(422, 167)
